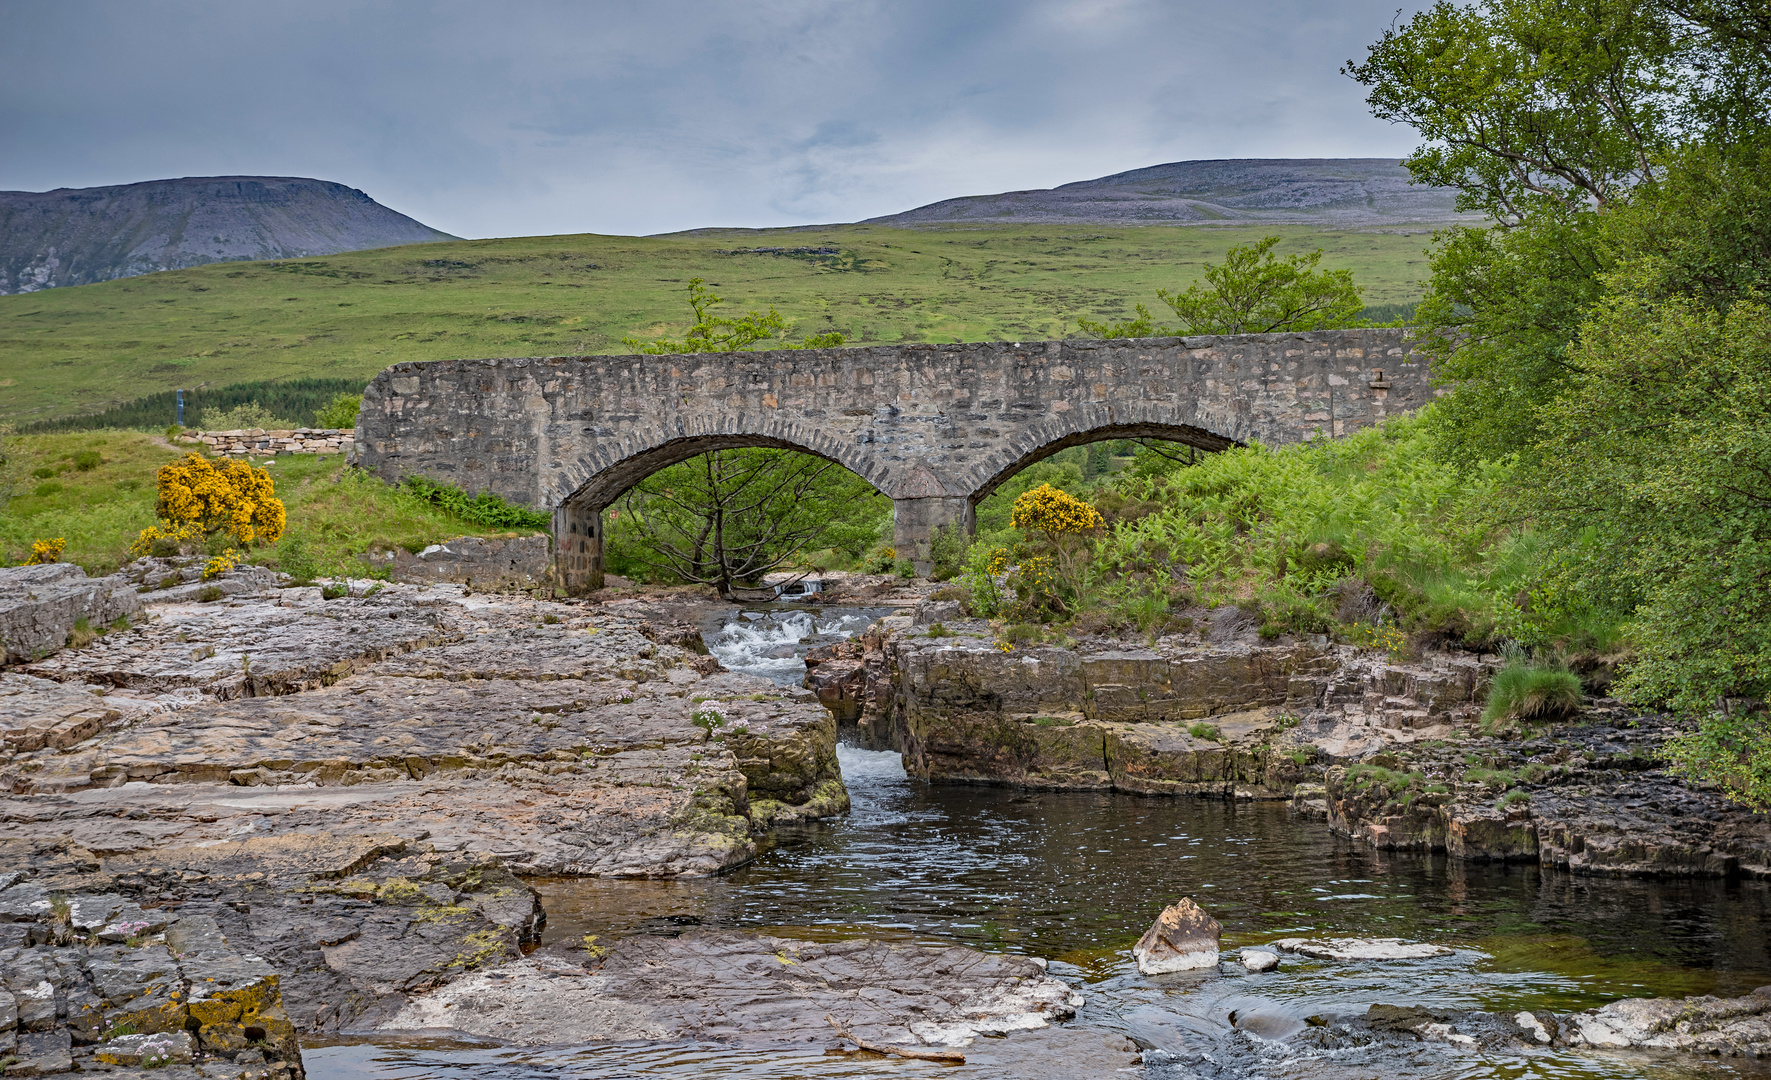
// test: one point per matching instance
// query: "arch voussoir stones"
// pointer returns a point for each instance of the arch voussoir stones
(934, 427)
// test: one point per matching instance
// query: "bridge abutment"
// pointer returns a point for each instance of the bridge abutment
(577, 549)
(915, 522)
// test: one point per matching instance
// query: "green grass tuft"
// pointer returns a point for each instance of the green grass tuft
(1531, 690)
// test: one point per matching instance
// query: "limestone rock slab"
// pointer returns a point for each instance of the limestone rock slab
(39, 605)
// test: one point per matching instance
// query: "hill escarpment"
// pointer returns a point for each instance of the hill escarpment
(1316, 191)
(77, 236)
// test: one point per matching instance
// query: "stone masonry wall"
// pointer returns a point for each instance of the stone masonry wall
(266, 443)
(934, 427)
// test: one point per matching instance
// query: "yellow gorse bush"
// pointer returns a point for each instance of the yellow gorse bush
(228, 497)
(1054, 512)
(220, 564)
(166, 538)
(47, 551)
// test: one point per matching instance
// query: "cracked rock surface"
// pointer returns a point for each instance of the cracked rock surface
(750, 990)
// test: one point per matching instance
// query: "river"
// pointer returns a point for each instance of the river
(1076, 878)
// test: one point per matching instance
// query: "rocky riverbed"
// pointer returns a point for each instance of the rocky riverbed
(250, 812)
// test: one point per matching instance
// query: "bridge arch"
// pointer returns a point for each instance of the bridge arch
(1035, 446)
(596, 481)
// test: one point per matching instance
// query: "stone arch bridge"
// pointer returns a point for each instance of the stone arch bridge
(933, 427)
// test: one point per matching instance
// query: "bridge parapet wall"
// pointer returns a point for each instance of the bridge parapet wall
(934, 427)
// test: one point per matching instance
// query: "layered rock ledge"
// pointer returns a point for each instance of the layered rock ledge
(335, 795)
(1388, 752)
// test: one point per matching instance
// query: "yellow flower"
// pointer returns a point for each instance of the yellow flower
(47, 551)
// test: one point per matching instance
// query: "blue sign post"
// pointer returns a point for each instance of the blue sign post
(181, 408)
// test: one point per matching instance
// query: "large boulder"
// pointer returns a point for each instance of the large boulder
(39, 606)
(1183, 938)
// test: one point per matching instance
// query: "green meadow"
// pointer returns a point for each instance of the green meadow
(80, 350)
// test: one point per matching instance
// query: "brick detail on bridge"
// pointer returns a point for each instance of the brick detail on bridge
(933, 427)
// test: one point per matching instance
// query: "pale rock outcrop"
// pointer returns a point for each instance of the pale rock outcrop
(1183, 938)
(40, 605)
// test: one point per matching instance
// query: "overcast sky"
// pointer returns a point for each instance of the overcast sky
(520, 118)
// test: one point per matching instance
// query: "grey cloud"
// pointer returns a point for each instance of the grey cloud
(548, 117)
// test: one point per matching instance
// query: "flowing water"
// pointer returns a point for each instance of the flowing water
(772, 640)
(1076, 878)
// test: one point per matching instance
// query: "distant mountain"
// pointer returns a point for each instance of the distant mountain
(76, 236)
(1304, 191)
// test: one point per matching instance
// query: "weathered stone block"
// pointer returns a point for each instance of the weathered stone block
(39, 606)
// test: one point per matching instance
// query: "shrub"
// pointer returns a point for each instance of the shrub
(334, 592)
(46, 551)
(947, 550)
(229, 498)
(209, 594)
(1532, 690)
(166, 540)
(983, 565)
(43, 472)
(295, 559)
(904, 568)
(485, 509)
(87, 460)
(220, 564)
(1207, 732)
(341, 412)
(242, 418)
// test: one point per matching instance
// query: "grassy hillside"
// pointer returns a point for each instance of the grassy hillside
(79, 350)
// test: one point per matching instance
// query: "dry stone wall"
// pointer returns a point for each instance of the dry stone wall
(266, 443)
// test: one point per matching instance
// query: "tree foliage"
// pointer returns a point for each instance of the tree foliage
(1253, 291)
(711, 332)
(728, 517)
(1609, 335)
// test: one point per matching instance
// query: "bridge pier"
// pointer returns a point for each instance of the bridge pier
(578, 549)
(915, 522)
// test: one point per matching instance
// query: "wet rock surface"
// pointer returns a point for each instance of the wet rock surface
(1591, 796)
(1183, 938)
(750, 989)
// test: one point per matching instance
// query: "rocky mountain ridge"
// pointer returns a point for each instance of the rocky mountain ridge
(1355, 192)
(77, 236)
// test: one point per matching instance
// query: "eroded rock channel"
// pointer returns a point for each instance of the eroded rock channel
(275, 832)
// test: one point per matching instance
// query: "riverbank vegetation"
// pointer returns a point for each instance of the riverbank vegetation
(96, 490)
(1599, 481)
